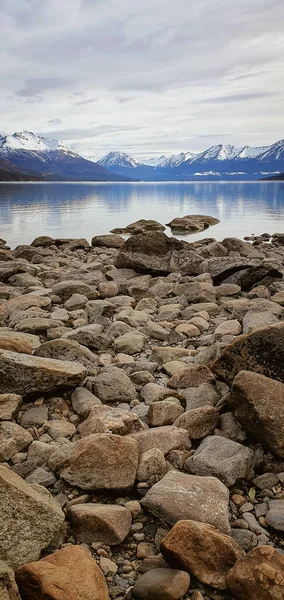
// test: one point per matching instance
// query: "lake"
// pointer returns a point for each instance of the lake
(87, 209)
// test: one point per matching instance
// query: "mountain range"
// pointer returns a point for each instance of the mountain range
(27, 156)
(219, 162)
(39, 158)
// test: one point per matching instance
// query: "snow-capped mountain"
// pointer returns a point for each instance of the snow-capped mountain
(118, 159)
(50, 159)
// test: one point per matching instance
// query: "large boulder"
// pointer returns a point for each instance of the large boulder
(100, 461)
(258, 576)
(221, 268)
(105, 523)
(222, 458)
(148, 252)
(261, 351)
(179, 496)
(258, 403)
(68, 574)
(29, 519)
(24, 374)
(201, 550)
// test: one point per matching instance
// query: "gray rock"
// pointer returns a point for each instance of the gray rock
(83, 401)
(179, 496)
(113, 385)
(253, 320)
(67, 349)
(29, 518)
(35, 416)
(246, 539)
(156, 584)
(275, 515)
(222, 458)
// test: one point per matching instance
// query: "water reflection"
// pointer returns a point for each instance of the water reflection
(86, 209)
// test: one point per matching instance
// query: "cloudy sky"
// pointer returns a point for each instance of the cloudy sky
(148, 78)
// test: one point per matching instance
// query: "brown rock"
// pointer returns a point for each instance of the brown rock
(68, 574)
(164, 412)
(13, 439)
(258, 403)
(198, 422)
(258, 576)
(105, 523)
(165, 438)
(261, 351)
(201, 550)
(106, 419)
(99, 462)
(192, 376)
(22, 303)
(9, 406)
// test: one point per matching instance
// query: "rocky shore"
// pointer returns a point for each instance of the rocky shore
(142, 418)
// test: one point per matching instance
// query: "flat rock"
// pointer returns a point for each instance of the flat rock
(222, 458)
(70, 350)
(98, 462)
(24, 374)
(258, 404)
(156, 584)
(30, 517)
(261, 351)
(67, 574)
(179, 496)
(22, 303)
(258, 576)
(105, 523)
(106, 419)
(202, 551)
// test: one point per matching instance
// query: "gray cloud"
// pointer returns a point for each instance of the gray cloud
(155, 76)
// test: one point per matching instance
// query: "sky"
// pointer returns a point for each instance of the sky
(147, 78)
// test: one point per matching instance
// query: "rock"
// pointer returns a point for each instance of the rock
(113, 385)
(67, 574)
(65, 289)
(151, 463)
(205, 394)
(192, 223)
(179, 496)
(222, 458)
(258, 576)
(166, 354)
(98, 462)
(35, 416)
(23, 374)
(258, 404)
(42, 477)
(69, 350)
(83, 401)
(148, 253)
(191, 376)
(13, 439)
(198, 422)
(8, 587)
(60, 428)
(105, 419)
(253, 320)
(275, 515)
(22, 303)
(37, 325)
(221, 268)
(130, 343)
(43, 240)
(245, 539)
(76, 302)
(142, 225)
(202, 551)
(105, 523)
(9, 406)
(108, 241)
(88, 335)
(232, 327)
(254, 275)
(261, 351)
(266, 481)
(17, 341)
(164, 413)
(29, 516)
(158, 584)
(165, 438)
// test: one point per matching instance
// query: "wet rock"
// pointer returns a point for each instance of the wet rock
(258, 576)
(261, 351)
(222, 458)
(179, 496)
(29, 517)
(67, 574)
(171, 584)
(105, 523)
(202, 551)
(98, 462)
(23, 374)
(258, 404)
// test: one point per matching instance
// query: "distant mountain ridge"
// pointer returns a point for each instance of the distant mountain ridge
(50, 159)
(217, 162)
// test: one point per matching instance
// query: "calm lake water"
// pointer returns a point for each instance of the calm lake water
(87, 209)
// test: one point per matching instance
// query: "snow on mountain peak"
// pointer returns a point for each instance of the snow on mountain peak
(28, 141)
(118, 159)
